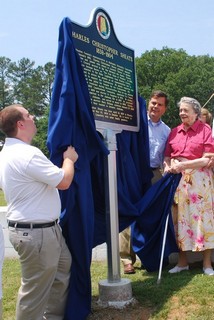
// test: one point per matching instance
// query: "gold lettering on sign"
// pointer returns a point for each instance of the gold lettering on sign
(104, 48)
(126, 57)
(110, 85)
(80, 36)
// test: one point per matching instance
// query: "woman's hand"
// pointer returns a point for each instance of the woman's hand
(176, 167)
(211, 159)
(166, 165)
(167, 169)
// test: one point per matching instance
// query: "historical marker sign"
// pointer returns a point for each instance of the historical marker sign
(109, 68)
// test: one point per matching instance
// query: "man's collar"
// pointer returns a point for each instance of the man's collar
(152, 122)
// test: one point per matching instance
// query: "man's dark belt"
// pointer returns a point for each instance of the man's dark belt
(155, 168)
(31, 225)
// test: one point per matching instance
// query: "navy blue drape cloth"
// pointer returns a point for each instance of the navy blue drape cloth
(71, 122)
(148, 229)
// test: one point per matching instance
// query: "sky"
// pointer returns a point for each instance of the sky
(29, 28)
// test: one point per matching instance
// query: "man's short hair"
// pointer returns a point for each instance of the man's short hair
(160, 94)
(9, 116)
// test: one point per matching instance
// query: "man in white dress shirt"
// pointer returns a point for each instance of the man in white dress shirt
(30, 182)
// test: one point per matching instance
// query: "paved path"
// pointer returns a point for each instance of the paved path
(99, 253)
(9, 251)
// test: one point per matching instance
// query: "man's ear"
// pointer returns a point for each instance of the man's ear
(20, 124)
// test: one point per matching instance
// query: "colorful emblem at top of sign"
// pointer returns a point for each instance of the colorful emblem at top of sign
(103, 25)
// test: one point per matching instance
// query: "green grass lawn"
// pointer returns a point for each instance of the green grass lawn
(187, 296)
(11, 283)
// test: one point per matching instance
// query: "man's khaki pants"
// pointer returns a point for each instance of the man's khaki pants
(45, 266)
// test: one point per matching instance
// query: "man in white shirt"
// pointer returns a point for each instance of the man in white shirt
(158, 134)
(30, 182)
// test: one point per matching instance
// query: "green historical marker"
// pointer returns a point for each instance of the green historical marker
(109, 68)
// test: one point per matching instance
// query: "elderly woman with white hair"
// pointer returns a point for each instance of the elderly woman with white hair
(189, 150)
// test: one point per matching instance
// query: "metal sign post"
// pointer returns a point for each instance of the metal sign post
(112, 208)
(114, 291)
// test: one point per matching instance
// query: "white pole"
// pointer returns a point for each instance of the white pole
(212, 95)
(162, 251)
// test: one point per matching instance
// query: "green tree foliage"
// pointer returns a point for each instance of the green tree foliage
(21, 74)
(40, 139)
(178, 74)
(48, 77)
(22, 83)
(6, 96)
(32, 85)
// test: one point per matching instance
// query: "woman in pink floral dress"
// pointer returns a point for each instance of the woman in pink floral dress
(189, 151)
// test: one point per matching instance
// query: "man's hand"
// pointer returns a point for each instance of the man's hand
(71, 154)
